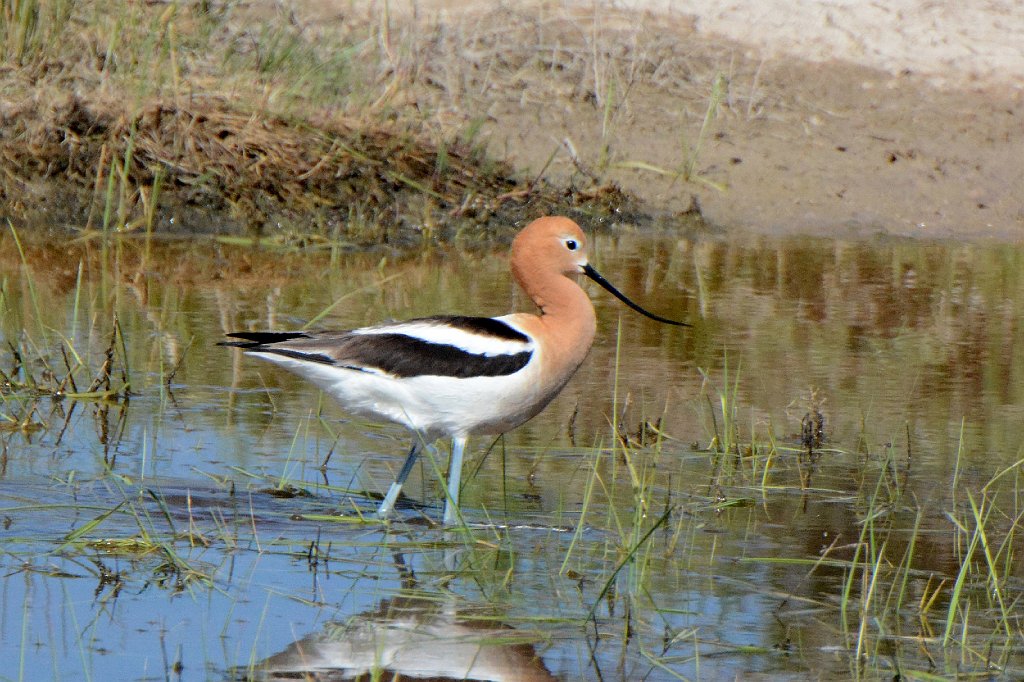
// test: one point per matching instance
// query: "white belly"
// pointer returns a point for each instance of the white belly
(434, 406)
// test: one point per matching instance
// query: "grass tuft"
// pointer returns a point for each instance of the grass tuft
(150, 115)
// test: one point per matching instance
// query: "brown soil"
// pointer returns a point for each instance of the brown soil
(128, 141)
(796, 146)
(579, 102)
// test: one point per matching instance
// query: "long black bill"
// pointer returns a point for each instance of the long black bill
(607, 286)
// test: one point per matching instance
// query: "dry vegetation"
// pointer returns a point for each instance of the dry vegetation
(329, 119)
(125, 115)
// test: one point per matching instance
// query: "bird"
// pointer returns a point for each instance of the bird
(456, 376)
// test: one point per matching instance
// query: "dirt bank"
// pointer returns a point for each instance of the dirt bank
(219, 118)
(398, 122)
(798, 143)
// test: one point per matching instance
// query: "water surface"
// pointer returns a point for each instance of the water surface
(672, 513)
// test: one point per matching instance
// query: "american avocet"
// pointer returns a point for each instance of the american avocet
(459, 376)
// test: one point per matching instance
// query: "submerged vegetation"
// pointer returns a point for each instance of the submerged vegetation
(706, 530)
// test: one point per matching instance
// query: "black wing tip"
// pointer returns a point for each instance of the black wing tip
(266, 342)
(257, 339)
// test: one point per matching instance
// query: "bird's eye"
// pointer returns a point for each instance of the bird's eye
(571, 244)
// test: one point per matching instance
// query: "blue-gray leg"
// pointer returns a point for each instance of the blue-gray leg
(389, 500)
(451, 502)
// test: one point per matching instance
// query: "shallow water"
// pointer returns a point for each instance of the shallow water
(190, 532)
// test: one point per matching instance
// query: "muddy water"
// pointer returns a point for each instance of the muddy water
(190, 532)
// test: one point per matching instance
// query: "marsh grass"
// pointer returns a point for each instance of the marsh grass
(48, 366)
(655, 554)
(894, 613)
(138, 530)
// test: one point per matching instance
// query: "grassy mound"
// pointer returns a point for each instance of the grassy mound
(126, 116)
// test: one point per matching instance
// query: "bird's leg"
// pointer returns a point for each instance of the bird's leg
(389, 500)
(451, 502)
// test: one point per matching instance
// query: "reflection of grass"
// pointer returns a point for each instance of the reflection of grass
(49, 366)
(892, 611)
(666, 547)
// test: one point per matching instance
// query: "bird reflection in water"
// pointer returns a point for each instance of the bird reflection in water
(414, 635)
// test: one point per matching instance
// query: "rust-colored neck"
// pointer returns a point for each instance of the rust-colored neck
(566, 313)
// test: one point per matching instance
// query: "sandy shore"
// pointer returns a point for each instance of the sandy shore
(837, 117)
(952, 43)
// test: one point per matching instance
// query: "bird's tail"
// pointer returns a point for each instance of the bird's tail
(255, 340)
